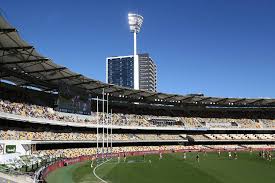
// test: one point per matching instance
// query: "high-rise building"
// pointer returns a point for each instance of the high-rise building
(147, 73)
(122, 71)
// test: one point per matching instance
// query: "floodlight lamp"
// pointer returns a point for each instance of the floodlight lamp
(135, 22)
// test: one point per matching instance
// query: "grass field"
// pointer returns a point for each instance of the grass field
(172, 168)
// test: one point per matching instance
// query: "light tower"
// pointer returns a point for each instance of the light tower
(135, 22)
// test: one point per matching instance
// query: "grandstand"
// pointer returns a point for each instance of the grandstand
(37, 127)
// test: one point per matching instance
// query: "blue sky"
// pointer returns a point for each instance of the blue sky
(217, 47)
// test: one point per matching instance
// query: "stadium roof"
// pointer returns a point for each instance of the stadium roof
(21, 64)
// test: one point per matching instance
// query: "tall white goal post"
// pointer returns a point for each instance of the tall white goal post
(105, 138)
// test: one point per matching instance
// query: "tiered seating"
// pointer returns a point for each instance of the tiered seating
(267, 123)
(46, 135)
(191, 122)
(170, 137)
(234, 137)
(17, 134)
(29, 110)
(148, 136)
(225, 147)
(69, 153)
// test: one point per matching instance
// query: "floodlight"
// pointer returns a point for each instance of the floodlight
(135, 22)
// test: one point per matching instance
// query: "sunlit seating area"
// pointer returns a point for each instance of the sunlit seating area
(35, 111)
(249, 137)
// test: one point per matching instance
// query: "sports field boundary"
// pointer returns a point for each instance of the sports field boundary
(71, 161)
(97, 166)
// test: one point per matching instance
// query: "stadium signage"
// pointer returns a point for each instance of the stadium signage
(10, 148)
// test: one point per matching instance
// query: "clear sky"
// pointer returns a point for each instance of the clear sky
(217, 47)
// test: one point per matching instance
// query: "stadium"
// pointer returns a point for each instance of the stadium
(115, 134)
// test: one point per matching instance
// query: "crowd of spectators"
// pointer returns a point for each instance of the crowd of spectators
(70, 153)
(229, 137)
(29, 110)
(50, 135)
(268, 123)
(47, 135)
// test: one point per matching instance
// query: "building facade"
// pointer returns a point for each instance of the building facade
(127, 72)
(147, 73)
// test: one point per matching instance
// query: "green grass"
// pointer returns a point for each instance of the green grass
(172, 168)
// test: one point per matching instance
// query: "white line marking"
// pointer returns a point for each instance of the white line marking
(96, 174)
